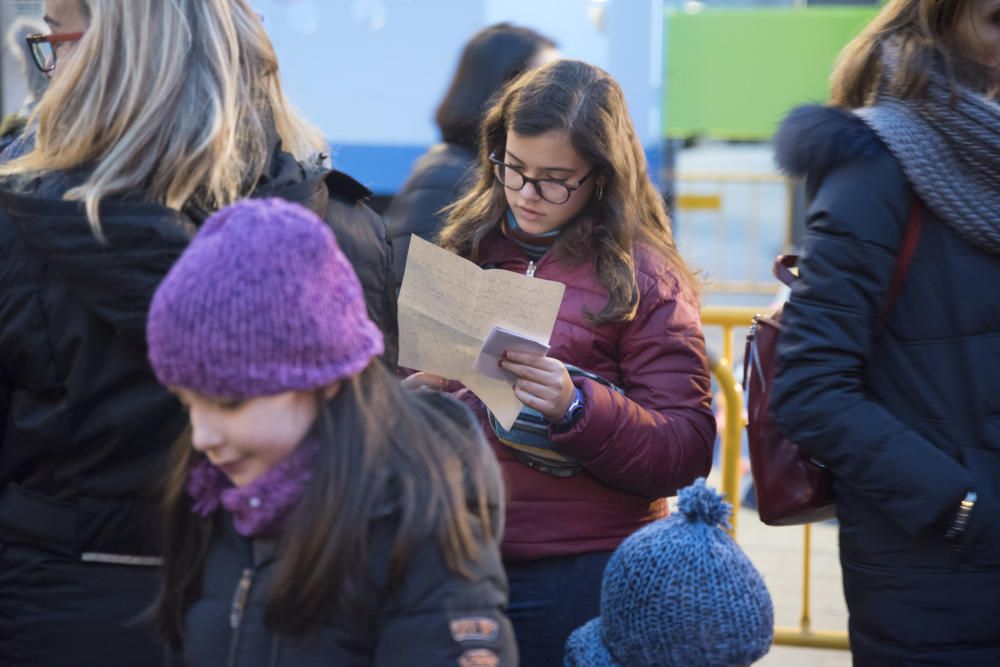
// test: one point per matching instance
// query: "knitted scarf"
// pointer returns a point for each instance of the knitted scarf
(260, 506)
(950, 152)
(535, 245)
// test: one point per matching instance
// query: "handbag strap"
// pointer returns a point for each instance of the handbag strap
(784, 264)
(782, 269)
(907, 250)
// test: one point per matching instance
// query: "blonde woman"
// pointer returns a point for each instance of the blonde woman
(158, 114)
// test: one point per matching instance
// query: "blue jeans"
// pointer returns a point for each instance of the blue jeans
(551, 597)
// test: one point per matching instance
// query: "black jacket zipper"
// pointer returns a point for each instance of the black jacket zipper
(240, 598)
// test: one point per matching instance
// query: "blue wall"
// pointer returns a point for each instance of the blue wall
(370, 73)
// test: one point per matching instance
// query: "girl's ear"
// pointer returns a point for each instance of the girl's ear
(332, 389)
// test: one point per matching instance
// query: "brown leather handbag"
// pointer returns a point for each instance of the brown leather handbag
(791, 487)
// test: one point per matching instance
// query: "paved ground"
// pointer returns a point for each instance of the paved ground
(777, 553)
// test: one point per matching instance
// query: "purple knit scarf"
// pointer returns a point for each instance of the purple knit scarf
(259, 506)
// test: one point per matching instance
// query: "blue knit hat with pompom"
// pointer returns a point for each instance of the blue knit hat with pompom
(679, 592)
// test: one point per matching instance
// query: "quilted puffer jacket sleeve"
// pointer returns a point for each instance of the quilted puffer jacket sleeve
(363, 236)
(854, 229)
(441, 618)
(659, 436)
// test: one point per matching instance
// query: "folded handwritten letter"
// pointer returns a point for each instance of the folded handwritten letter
(447, 308)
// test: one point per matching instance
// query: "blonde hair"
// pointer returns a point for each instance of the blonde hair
(178, 100)
(921, 30)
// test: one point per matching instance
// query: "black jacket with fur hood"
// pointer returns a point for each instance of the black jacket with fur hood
(907, 415)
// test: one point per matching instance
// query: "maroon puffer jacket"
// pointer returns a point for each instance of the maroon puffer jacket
(636, 448)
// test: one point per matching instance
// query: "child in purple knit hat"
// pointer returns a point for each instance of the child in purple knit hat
(317, 514)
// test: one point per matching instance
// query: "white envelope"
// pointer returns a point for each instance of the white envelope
(499, 341)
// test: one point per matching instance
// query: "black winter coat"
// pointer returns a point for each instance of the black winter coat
(907, 415)
(440, 177)
(435, 617)
(84, 424)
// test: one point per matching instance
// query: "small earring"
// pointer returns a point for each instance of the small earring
(600, 192)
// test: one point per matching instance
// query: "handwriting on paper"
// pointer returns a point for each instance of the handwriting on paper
(447, 308)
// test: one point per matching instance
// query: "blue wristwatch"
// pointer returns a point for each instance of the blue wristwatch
(573, 412)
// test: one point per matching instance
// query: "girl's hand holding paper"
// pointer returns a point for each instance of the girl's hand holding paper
(543, 383)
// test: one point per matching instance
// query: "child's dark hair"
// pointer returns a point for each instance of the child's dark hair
(494, 56)
(418, 457)
(589, 106)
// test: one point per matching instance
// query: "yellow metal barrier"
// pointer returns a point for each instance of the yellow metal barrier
(729, 319)
(700, 198)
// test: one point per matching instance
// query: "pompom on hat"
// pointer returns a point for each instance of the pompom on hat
(263, 301)
(679, 592)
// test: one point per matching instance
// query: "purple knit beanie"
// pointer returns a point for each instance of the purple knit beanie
(262, 302)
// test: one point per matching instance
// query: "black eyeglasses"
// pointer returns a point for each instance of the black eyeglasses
(44, 48)
(552, 191)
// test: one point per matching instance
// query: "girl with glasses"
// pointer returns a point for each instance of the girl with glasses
(564, 195)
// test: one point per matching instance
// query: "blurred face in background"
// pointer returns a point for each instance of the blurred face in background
(976, 34)
(64, 17)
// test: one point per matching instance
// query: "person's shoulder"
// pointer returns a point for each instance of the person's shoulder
(347, 207)
(665, 295)
(814, 141)
(439, 177)
(850, 173)
(654, 272)
(345, 188)
(443, 163)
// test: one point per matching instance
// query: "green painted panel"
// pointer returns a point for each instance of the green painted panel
(733, 74)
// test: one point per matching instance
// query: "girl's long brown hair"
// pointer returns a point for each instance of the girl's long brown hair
(385, 451)
(922, 30)
(589, 106)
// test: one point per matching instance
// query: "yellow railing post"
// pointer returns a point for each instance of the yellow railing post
(729, 318)
(730, 455)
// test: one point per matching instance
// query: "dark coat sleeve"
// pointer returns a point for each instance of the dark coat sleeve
(439, 617)
(364, 238)
(854, 229)
(415, 211)
(658, 437)
(418, 208)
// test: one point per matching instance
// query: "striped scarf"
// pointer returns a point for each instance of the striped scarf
(534, 245)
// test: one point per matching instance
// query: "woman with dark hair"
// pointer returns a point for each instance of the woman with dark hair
(491, 59)
(622, 398)
(897, 395)
(317, 514)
